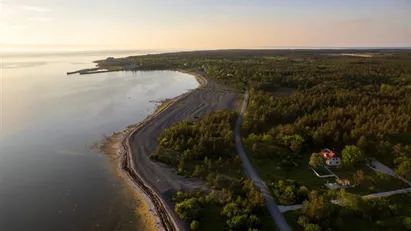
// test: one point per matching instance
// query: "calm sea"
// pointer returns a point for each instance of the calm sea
(50, 177)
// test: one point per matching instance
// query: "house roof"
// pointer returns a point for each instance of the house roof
(328, 154)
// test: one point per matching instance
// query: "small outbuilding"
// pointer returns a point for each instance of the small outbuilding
(343, 182)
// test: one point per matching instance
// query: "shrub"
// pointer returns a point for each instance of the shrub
(189, 209)
(407, 223)
(312, 227)
(194, 225)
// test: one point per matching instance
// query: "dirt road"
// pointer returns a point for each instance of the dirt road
(252, 174)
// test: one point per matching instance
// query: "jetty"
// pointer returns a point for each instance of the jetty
(97, 72)
(128, 67)
(83, 71)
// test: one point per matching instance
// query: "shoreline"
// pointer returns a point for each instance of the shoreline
(163, 218)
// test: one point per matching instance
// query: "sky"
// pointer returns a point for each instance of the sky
(203, 24)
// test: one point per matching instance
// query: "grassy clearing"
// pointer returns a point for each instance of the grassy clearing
(284, 91)
(395, 223)
(291, 217)
(269, 171)
(350, 223)
(374, 182)
(211, 219)
(322, 171)
(404, 200)
(267, 221)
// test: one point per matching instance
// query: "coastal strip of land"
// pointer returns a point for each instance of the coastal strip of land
(156, 181)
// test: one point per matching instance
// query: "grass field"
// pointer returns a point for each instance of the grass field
(212, 219)
(374, 182)
(322, 171)
(395, 223)
(351, 223)
(269, 171)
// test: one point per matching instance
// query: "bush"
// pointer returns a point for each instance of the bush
(404, 169)
(312, 227)
(189, 209)
(303, 221)
(407, 223)
(290, 192)
(194, 225)
(316, 160)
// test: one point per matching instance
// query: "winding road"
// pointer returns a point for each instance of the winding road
(252, 174)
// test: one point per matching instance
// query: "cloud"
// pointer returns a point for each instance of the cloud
(33, 8)
(40, 19)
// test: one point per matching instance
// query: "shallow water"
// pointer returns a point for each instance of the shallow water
(50, 177)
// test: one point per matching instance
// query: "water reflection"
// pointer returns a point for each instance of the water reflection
(50, 178)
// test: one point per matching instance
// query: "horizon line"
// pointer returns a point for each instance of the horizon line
(123, 50)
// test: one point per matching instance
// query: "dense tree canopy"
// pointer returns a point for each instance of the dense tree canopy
(202, 149)
(301, 101)
(205, 149)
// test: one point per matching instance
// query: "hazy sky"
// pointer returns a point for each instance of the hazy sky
(204, 24)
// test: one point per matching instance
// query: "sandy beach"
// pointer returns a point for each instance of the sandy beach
(155, 182)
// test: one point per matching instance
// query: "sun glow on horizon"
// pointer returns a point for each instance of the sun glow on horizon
(68, 25)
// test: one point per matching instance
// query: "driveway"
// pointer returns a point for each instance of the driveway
(379, 167)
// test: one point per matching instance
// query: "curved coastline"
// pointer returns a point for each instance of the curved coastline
(160, 211)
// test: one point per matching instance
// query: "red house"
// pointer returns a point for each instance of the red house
(331, 158)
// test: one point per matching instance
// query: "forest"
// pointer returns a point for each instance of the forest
(206, 150)
(301, 101)
(335, 102)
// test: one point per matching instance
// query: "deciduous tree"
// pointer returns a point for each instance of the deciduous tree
(352, 155)
(316, 160)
